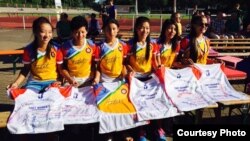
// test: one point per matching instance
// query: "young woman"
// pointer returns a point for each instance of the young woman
(40, 58)
(78, 54)
(169, 45)
(143, 57)
(142, 50)
(111, 54)
(195, 47)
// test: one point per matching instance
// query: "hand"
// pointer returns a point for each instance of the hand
(12, 85)
(95, 81)
(129, 139)
(73, 82)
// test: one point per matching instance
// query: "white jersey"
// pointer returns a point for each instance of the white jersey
(36, 112)
(215, 84)
(80, 107)
(181, 86)
(150, 99)
(117, 113)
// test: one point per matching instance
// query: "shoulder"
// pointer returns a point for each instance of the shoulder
(90, 43)
(29, 47)
(67, 45)
(122, 42)
(153, 41)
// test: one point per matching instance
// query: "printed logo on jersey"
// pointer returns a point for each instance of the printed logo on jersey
(207, 73)
(145, 86)
(88, 50)
(123, 91)
(178, 76)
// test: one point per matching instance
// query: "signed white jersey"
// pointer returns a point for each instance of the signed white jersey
(215, 84)
(80, 107)
(181, 86)
(150, 100)
(37, 112)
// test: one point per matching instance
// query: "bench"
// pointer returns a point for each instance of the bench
(15, 53)
(4, 118)
(231, 47)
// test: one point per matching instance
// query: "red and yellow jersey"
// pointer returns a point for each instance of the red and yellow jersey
(111, 58)
(203, 49)
(79, 61)
(43, 68)
(167, 55)
(138, 61)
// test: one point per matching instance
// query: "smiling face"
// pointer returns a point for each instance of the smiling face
(170, 32)
(79, 34)
(143, 31)
(201, 26)
(111, 31)
(45, 34)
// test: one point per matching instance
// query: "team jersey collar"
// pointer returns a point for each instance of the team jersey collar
(82, 47)
(140, 45)
(115, 45)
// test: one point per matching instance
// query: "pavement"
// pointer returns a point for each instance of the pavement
(10, 39)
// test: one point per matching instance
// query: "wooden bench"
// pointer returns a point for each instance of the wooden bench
(4, 118)
(231, 47)
(15, 53)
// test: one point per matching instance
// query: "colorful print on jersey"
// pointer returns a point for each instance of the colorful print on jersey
(113, 97)
(42, 67)
(139, 62)
(79, 60)
(203, 49)
(111, 58)
(167, 55)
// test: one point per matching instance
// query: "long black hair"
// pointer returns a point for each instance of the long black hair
(36, 29)
(138, 23)
(196, 20)
(162, 37)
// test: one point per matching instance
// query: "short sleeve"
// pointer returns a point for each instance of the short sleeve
(177, 48)
(59, 56)
(155, 48)
(125, 49)
(184, 44)
(26, 57)
(97, 53)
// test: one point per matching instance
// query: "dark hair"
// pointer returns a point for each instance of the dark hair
(138, 23)
(64, 15)
(36, 28)
(93, 15)
(162, 37)
(196, 20)
(173, 15)
(78, 22)
(111, 21)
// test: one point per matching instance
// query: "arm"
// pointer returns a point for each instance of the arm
(21, 77)
(115, 13)
(97, 73)
(65, 73)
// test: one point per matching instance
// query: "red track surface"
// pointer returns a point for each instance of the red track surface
(17, 22)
